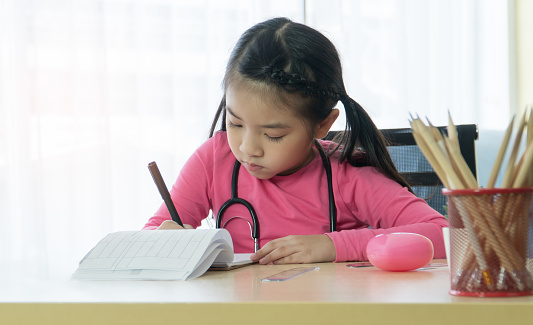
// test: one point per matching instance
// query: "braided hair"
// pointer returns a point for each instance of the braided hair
(291, 58)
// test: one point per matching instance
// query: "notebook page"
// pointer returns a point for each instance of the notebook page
(180, 252)
(238, 259)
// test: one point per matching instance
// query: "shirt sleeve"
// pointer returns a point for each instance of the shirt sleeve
(190, 192)
(386, 207)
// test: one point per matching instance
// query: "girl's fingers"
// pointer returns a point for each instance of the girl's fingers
(297, 249)
(169, 224)
(281, 251)
(270, 252)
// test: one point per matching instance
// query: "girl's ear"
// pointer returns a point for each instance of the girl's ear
(324, 126)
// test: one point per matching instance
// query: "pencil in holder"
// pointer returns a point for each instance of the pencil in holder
(491, 242)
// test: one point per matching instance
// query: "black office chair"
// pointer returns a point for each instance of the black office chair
(415, 168)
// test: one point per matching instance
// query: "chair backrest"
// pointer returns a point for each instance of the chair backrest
(415, 168)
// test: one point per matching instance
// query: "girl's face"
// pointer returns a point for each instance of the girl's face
(267, 140)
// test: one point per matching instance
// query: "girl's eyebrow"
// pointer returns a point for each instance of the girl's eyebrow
(277, 125)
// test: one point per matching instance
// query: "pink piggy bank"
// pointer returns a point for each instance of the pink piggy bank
(400, 251)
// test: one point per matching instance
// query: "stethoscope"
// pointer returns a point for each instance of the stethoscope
(255, 223)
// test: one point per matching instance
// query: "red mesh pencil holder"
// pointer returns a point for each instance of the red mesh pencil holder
(491, 242)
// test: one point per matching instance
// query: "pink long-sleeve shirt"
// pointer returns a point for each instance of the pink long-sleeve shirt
(298, 204)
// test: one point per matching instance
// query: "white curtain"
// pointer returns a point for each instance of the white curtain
(424, 57)
(91, 91)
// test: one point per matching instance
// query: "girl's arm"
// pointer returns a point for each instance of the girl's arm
(386, 207)
(367, 198)
(350, 245)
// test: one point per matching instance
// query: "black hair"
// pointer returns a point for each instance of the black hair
(295, 59)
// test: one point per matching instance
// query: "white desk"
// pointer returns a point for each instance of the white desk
(335, 294)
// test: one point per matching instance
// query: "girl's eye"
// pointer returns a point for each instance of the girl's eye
(274, 139)
(232, 125)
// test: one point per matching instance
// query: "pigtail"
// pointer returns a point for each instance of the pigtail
(220, 111)
(363, 144)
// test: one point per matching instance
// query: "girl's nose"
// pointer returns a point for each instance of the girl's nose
(251, 146)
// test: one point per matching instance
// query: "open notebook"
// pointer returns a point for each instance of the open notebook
(159, 255)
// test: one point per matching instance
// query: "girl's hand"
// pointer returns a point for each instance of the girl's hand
(169, 224)
(297, 249)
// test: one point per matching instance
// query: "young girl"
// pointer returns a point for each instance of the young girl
(282, 82)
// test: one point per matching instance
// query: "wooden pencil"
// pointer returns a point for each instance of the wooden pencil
(508, 179)
(501, 153)
(490, 227)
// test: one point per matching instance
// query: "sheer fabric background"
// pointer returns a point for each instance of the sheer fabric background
(91, 91)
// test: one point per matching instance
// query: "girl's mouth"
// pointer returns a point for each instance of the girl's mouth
(252, 167)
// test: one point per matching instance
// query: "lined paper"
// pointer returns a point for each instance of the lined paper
(153, 255)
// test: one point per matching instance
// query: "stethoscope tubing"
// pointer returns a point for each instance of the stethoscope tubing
(255, 222)
(331, 197)
(236, 200)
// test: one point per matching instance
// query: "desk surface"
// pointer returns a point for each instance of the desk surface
(334, 294)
